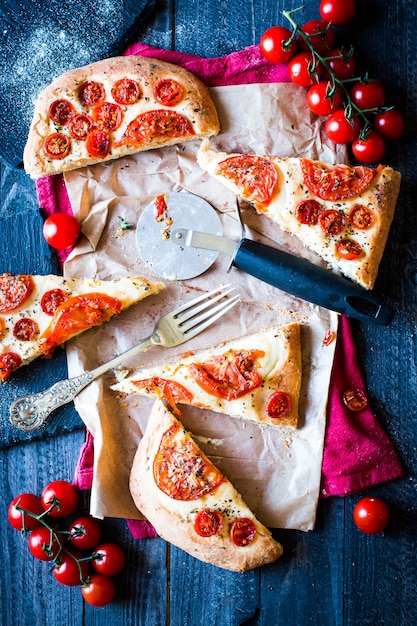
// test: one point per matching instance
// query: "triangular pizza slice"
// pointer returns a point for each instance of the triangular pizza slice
(191, 503)
(343, 213)
(256, 377)
(40, 313)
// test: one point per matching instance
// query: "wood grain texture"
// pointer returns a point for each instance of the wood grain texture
(333, 576)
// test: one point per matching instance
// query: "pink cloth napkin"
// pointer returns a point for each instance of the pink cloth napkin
(357, 451)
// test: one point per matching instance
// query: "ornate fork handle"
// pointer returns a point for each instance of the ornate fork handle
(30, 412)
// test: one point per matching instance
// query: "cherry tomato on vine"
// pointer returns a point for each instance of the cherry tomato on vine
(99, 591)
(371, 515)
(338, 12)
(60, 497)
(321, 36)
(272, 44)
(72, 571)
(390, 124)
(108, 559)
(341, 130)
(85, 533)
(369, 150)
(369, 95)
(303, 70)
(322, 99)
(61, 230)
(21, 521)
(342, 63)
(43, 544)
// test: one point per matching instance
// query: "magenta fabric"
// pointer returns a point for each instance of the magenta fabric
(357, 452)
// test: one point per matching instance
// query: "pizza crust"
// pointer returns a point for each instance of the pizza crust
(196, 105)
(174, 519)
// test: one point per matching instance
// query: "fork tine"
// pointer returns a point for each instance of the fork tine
(194, 326)
(190, 309)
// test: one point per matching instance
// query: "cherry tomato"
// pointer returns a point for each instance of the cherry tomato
(61, 230)
(60, 497)
(371, 515)
(43, 544)
(208, 522)
(369, 95)
(349, 249)
(99, 591)
(321, 36)
(278, 404)
(308, 211)
(369, 150)
(57, 146)
(272, 44)
(85, 533)
(98, 143)
(390, 124)
(338, 12)
(322, 99)
(342, 63)
(303, 70)
(168, 92)
(355, 399)
(332, 221)
(361, 217)
(28, 502)
(108, 559)
(341, 130)
(242, 531)
(71, 570)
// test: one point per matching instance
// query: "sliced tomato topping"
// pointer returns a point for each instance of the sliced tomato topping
(361, 217)
(25, 329)
(14, 291)
(57, 146)
(61, 111)
(355, 399)
(125, 91)
(98, 143)
(242, 532)
(329, 337)
(230, 375)
(52, 299)
(308, 212)
(168, 92)
(173, 392)
(332, 221)
(278, 404)
(336, 182)
(180, 470)
(349, 249)
(9, 361)
(154, 125)
(107, 116)
(208, 522)
(80, 125)
(75, 315)
(91, 92)
(256, 177)
(160, 206)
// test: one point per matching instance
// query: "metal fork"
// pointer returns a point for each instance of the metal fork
(188, 320)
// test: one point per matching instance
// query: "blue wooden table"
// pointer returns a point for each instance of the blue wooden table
(333, 576)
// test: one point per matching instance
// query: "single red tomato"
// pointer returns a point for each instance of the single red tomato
(108, 559)
(371, 515)
(59, 498)
(341, 130)
(323, 99)
(20, 520)
(370, 150)
(44, 544)
(390, 124)
(368, 95)
(61, 230)
(320, 35)
(99, 591)
(338, 12)
(349, 249)
(304, 70)
(85, 533)
(342, 64)
(274, 44)
(71, 569)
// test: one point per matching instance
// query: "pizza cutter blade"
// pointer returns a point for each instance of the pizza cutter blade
(156, 247)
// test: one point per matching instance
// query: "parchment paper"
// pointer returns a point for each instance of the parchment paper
(277, 470)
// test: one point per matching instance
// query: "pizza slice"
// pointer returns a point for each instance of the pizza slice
(40, 313)
(115, 107)
(257, 377)
(191, 503)
(343, 213)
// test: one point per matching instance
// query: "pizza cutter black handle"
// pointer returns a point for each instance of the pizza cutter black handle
(310, 282)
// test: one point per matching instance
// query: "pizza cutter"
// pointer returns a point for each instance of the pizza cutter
(196, 228)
